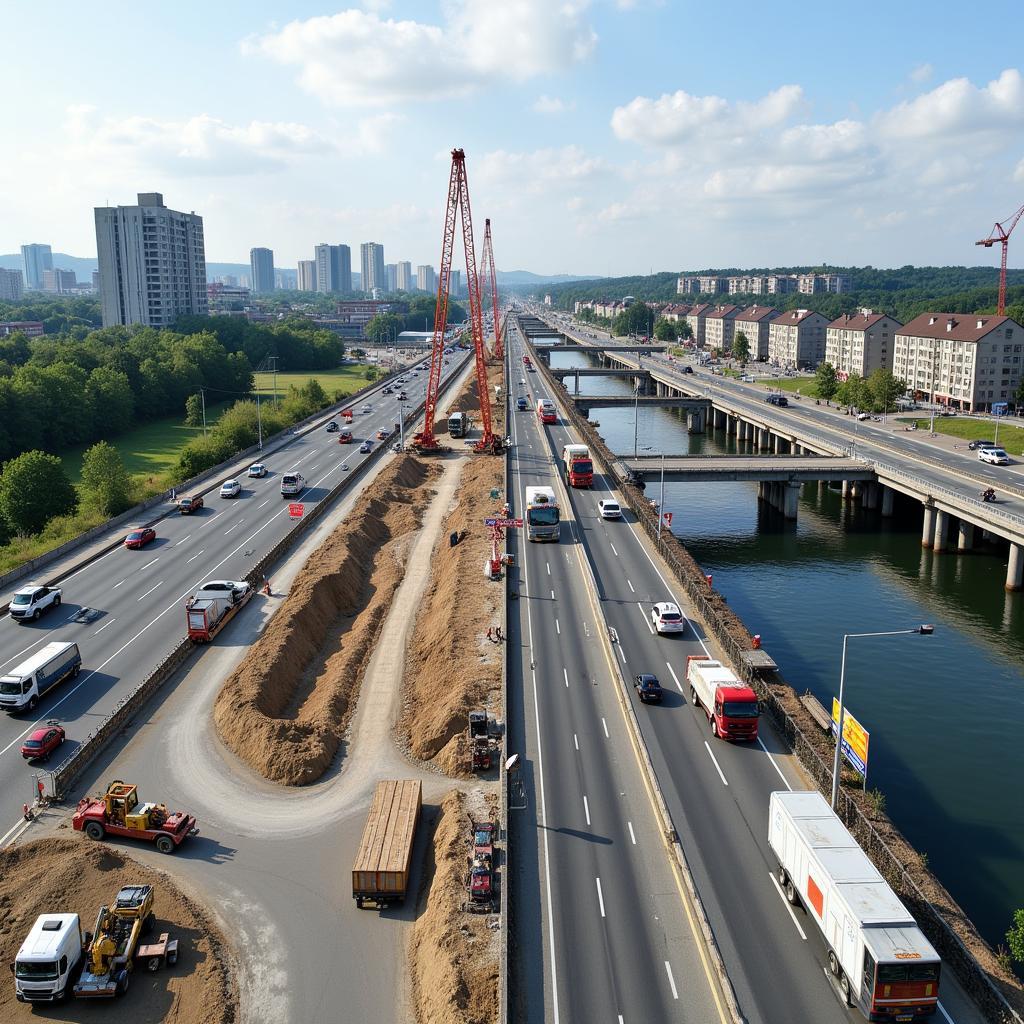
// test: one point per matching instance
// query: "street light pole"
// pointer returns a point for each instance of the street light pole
(935, 346)
(924, 630)
(636, 415)
(661, 502)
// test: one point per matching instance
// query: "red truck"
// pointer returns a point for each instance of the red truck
(208, 611)
(731, 706)
(579, 467)
(546, 410)
(117, 812)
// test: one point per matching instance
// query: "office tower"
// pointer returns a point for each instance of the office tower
(372, 254)
(307, 275)
(152, 263)
(261, 263)
(59, 282)
(12, 285)
(342, 255)
(391, 275)
(455, 286)
(425, 278)
(36, 258)
(403, 282)
(333, 268)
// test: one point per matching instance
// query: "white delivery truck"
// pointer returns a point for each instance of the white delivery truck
(879, 957)
(49, 960)
(21, 688)
(542, 514)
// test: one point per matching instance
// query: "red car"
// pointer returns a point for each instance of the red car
(140, 537)
(43, 742)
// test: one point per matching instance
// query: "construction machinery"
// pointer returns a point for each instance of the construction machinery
(479, 741)
(110, 953)
(1002, 234)
(481, 885)
(117, 812)
(487, 265)
(424, 442)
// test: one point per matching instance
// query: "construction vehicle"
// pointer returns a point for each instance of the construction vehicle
(458, 424)
(381, 871)
(479, 741)
(119, 813)
(480, 885)
(49, 959)
(579, 468)
(162, 953)
(110, 954)
(207, 612)
(542, 515)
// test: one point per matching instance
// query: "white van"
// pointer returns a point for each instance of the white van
(49, 959)
(22, 687)
(292, 483)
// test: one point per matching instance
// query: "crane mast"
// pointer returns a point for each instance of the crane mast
(487, 266)
(1002, 235)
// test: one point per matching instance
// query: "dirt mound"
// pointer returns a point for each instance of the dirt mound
(76, 876)
(284, 710)
(468, 401)
(453, 956)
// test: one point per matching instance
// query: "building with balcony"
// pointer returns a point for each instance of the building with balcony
(796, 339)
(718, 327)
(753, 322)
(860, 343)
(12, 285)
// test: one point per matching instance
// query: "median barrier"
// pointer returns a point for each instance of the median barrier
(503, 1008)
(814, 753)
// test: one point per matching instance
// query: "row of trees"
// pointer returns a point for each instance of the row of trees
(422, 310)
(876, 393)
(57, 313)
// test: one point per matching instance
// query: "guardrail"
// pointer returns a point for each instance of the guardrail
(503, 1007)
(725, 627)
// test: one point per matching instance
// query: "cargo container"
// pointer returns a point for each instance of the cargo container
(380, 874)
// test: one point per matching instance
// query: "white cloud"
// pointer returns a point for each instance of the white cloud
(540, 170)
(356, 57)
(821, 142)
(544, 104)
(373, 133)
(922, 73)
(1018, 174)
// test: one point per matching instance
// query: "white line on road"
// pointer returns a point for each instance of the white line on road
(721, 774)
(239, 523)
(148, 564)
(547, 565)
(675, 677)
(23, 650)
(184, 540)
(575, 741)
(622, 654)
(586, 809)
(631, 587)
(671, 980)
(103, 627)
(116, 585)
(774, 765)
(552, 595)
(557, 627)
(211, 519)
(944, 1014)
(262, 503)
(612, 546)
(600, 897)
(566, 674)
(195, 556)
(644, 614)
(605, 724)
(150, 591)
(782, 896)
(631, 833)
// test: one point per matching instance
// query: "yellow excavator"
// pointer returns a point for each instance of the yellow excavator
(111, 952)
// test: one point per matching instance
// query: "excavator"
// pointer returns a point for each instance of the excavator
(111, 952)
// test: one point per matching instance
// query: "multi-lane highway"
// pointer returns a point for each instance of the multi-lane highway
(716, 792)
(140, 594)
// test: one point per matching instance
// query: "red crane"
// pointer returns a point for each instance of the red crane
(458, 202)
(1001, 234)
(487, 264)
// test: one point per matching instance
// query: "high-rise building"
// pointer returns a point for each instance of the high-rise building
(307, 276)
(152, 263)
(372, 254)
(391, 275)
(96, 281)
(425, 278)
(36, 258)
(261, 263)
(12, 285)
(59, 282)
(455, 285)
(342, 256)
(333, 268)
(404, 277)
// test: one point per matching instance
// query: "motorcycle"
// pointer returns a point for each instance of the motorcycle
(989, 495)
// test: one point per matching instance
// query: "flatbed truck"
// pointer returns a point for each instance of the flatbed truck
(380, 874)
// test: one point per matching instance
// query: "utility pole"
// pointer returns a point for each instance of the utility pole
(202, 395)
(661, 503)
(259, 421)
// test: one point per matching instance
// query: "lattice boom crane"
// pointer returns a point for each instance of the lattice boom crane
(487, 265)
(1002, 235)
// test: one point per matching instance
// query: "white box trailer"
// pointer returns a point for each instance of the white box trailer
(880, 958)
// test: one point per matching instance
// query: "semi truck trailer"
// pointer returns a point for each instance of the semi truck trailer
(380, 874)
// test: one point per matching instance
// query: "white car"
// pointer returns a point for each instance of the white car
(237, 589)
(609, 509)
(667, 618)
(257, 470)
(995, 456)
(367, 408)
(863, 416)
(32, 600)
(230, 489)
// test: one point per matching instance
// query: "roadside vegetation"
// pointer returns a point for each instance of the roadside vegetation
(971, 428)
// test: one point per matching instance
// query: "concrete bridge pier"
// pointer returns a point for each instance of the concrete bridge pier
(887, 500)
(965, 536)
(941, 530)
(791, 500)
(695, 422)
(764, 439)
(1015, 567)
(719, 419)
(928, 529)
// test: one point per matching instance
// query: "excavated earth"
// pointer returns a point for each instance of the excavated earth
(285, 709)
(453, 955)
(74, 875)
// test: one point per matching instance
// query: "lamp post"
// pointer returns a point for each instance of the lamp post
(636, 415)
(935, 348)
(924, 630)
(661, 500)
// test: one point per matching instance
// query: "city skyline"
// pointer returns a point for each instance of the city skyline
(626, 159)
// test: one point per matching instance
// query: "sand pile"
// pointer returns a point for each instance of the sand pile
(76, 876)
(468, 401)
(453, 956)
(284, 710)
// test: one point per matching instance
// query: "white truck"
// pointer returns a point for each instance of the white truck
(542, 514)
(21, 688)
(31, 600)
(730, 705)
(879, 957)
(49, 959)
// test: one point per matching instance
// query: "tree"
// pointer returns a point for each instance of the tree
(106, 485)
(665, 330)
(884, 388)
(741, 347)
(634, 319)
(685, 330)
(1015, 936)
(854, 391)
(826, 382)
(33, 490)
(194, 411)
(112, 400)
(371, 373)
(384, 327)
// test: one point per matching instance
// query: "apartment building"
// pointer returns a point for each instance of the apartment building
(307, 276)
(403, 276)
(30, 328)
(963, 360)
(674, 312)
(372, 260)
(261, 270)
(687, 285)
(753, 322)
(747, 285)
(696, 318)
(796, 339)
(36, 258)
(860, 343)
(718, 327)
(59, 282)
(12, 285)
(813, 284)
(713, 285)
(425, 280)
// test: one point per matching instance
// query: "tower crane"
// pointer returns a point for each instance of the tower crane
(458, 203)
(487, 265)
(1002, 234)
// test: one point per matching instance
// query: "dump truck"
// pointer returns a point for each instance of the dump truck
(546, 410)
(730, 705)
(380, 874)
(117, 812)
(879, 958)
(110, 955)
(579, 468)
(542, 514)
(207, 612)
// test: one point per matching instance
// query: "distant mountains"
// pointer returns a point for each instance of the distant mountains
(82, 266)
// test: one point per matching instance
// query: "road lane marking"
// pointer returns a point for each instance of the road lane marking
(605, 724)
(782, 896)
(547, 565)
(944, 1014)
(116, 585)
(612, 546)
(575, 741)
(721, 774)
(557, 628)
(239, 523)
(631, 586)
(150, 591)
(184, 540)
(631, 833)
(600, 897)
(262, 503)
(566, 674)
(671, 980)
(586, 808)
(103, 627)
(622, 654)
(552, 595)
(674, 676)
(774, 765)
(195, 556)
(645, 616)
(23, 650)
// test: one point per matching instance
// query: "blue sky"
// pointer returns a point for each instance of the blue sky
(608, 137)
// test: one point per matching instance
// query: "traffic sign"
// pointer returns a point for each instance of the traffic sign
(295, 510)
(668, 518)
(494, 521)
(855, 739)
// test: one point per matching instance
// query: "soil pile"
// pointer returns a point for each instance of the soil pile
(453, 956)
(468, 401)
(76, 876)
(284, 710)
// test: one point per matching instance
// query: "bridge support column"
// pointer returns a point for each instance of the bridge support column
(718, 418)
(941, 530)
(928, 529)
(871, 495)
(777, 443)
(1015, 567)
(855, 489)
(846, 490)
(887, 500)
(965, 536)
(791, 500)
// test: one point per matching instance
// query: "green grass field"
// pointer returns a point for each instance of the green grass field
(805, 385)
(969, 428)
(345, 378)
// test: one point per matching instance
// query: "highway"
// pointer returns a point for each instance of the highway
(140, 594)
(717, 792)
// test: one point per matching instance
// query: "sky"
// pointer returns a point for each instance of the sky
(606, 137)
